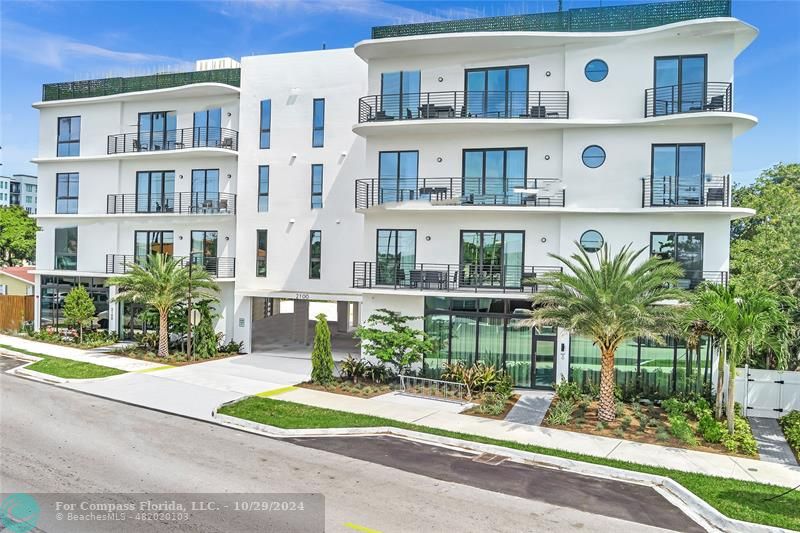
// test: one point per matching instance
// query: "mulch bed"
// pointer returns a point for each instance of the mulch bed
(475, 410)
(172, 359)
(362, 389)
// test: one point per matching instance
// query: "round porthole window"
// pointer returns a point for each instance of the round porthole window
(591, 241)
(593, 156)
(596, 70)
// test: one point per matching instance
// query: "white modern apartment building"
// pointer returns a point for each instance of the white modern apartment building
(19, 189)
(431, 170)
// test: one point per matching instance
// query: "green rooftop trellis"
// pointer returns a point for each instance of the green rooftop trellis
(591, 19)
(109, 86)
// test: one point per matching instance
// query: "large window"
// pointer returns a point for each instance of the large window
(318, 135)
(157, 130)
(261, 253)
(55, 288)
(316, 186)
(155, 191)
(205, 190)
(492, 258)
(395, 256)
(207, 127)
(67, 193)
(686, 249)
(400, 94)
(69, 136)
(266, 123)
(498, 92)
(677, 174)
(490, 176)
(263, 188)
(147, 243)
(204, 250)
(680, 84)
(397, 176)
(315, 255)
(66, 253)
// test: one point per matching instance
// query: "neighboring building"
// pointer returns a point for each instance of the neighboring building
(19, 189)
(431, 170)
(17, 281)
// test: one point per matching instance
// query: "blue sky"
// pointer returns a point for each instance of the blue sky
(48, 41)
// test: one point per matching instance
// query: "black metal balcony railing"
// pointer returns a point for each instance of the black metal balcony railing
(444, 277)
(179, 139)
(688, 98)
(193, 203)
(217, 267)
(672, 191)
(464, 104)
(693, 278)
(529, 192)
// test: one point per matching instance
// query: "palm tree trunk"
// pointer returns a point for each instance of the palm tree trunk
(607, 410)
(729, 408)
(723, 348)
(163, 335)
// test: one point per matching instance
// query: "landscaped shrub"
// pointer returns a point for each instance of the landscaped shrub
(505, 386)
(146, 341)
(742, 440)
(232, 347)
(791, 429)
(377, 372)
(711, 430)
(568, 391)
(492, 403)
(673, 406)
(321, 357)
(560, 413)
(680, 428)
(353, 369)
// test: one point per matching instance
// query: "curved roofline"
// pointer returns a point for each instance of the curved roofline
(371, 48)
(203, 89)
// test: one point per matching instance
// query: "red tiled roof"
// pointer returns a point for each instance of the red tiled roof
(24, 273)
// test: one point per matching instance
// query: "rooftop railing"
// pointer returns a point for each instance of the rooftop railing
(527, 192)
(676, 191)
(200, 137)
(688, 98)
(464, 105)
(188, 203)
(108, 86)
(217, 267)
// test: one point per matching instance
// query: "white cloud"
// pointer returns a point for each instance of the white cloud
(56, 51)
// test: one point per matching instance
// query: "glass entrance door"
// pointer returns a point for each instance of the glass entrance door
(207, 128)
(205, 190)
(491, 258)
(204, 250)
(397, 176)
(680, 84)
(157, 130)
(400, 94)
(490, 176)
(497, 92)
(395, 256)
(677, 174)
(155, 192)
(152, 242)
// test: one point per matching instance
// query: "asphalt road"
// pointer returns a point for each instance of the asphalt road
(54, 441)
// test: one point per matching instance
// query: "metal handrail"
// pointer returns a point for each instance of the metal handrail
(528, 192)
(437, 389)
(464, 104)
(675, 191)
(450, 277)
(194, 203)
(688, 98)
(176, 139)
(694, 278)
(217, 267)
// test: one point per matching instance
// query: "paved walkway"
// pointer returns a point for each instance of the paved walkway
(87, 356)
(531, 407)
(772, 445)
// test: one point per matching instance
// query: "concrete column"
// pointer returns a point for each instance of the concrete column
(300, 321)
(113, 309)
(37, 303)
(242, 329)
(342, 309)
(562, 355)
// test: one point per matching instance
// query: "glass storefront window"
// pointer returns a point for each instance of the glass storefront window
(55, 288)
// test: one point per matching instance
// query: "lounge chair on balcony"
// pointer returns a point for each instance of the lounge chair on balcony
(227, 142)
(138, 147)
(381, 115)
(538, 111)
(717, 103)
(715, 195)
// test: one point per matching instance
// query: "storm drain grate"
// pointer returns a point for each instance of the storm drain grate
(489, 459)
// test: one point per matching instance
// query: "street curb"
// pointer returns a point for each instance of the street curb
(673, 491)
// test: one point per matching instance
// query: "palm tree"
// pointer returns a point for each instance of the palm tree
(610, 302)
(162, 282)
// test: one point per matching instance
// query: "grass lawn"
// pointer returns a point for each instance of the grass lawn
(67, 368)
(742, 500)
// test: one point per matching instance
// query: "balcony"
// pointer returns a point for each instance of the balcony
(205, 137)
(464, 105)
(688, 98)
(183, 203)
(449, 278)
(217, 267)
(694, 278)
(674, 191)
(522, 192)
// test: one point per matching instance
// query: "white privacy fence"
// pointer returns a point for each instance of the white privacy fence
(767, 393)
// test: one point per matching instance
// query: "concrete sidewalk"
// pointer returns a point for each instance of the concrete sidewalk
(76, 354)
(436, 414)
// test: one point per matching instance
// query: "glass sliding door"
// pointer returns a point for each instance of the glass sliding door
(155, 191)
(497, 92)
(157, 130)
(397, 176)
(490, 176)
(684, 248)
(147, 243)
(491, 258)
(205, 190)
(680, 84)
(677, 174)
(207, 128)
(400, 97)
(395, 256)
(204, 250)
